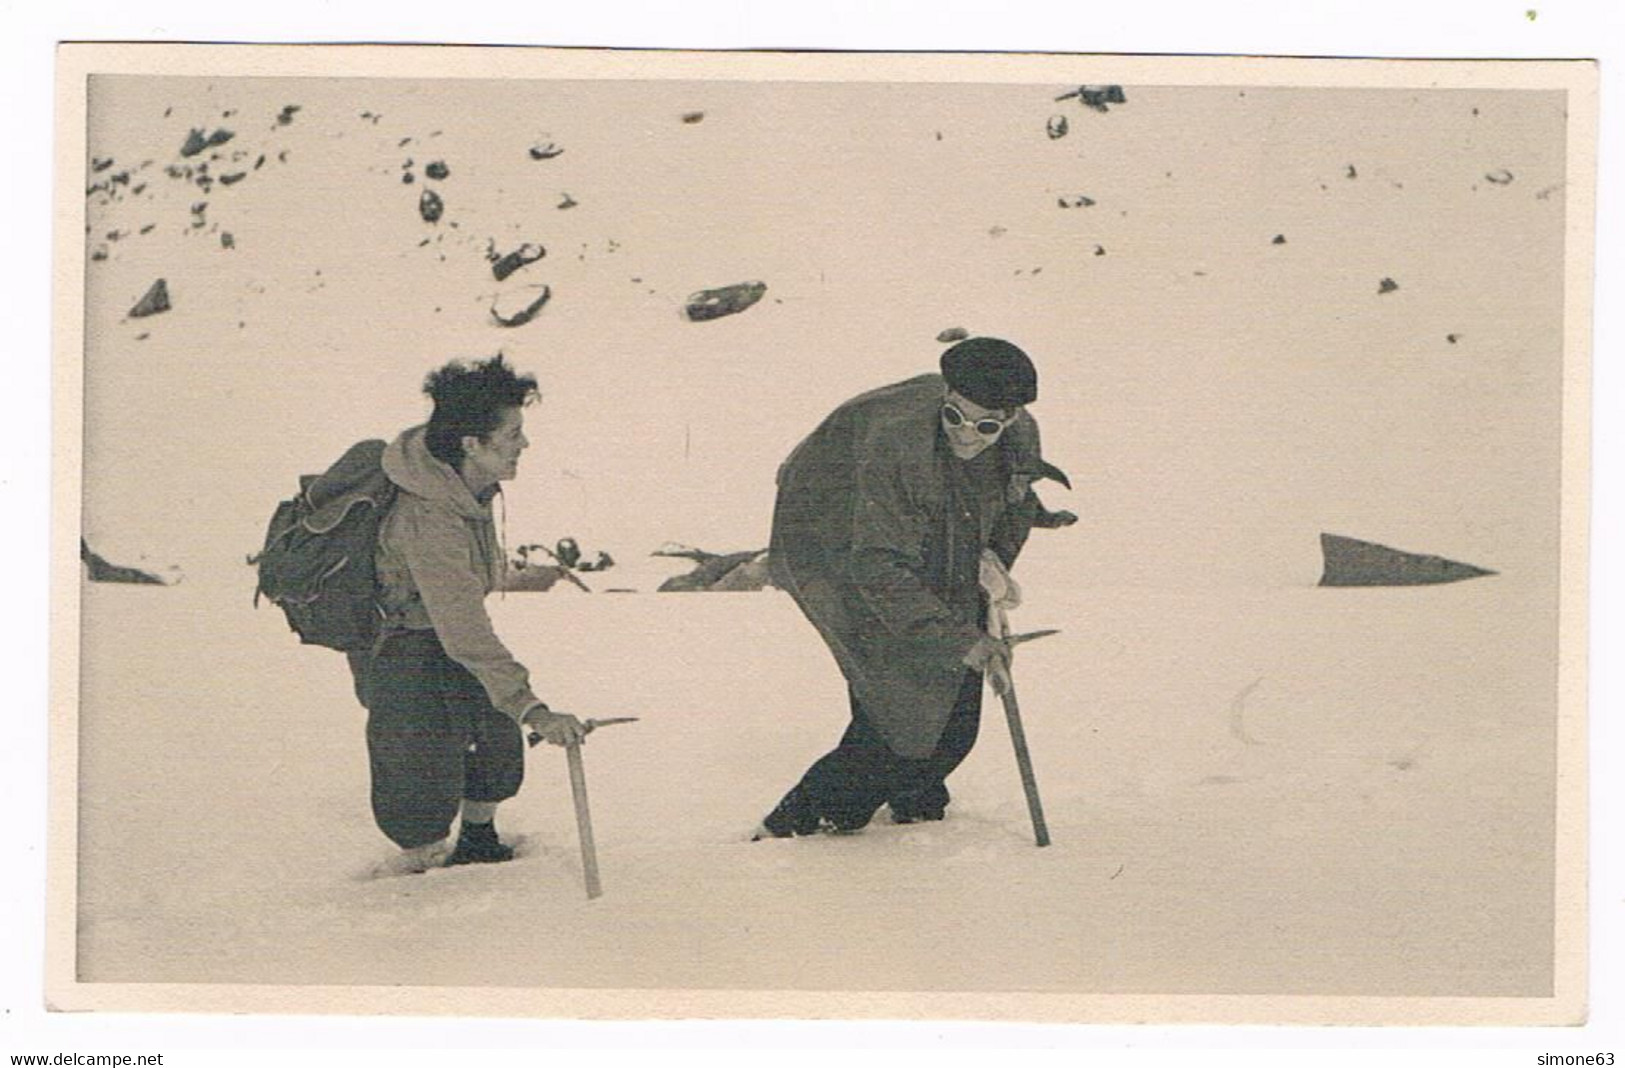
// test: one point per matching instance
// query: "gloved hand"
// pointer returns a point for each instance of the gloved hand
(1002, 591)
(991, 657)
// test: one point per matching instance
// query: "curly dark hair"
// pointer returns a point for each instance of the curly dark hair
(470, 400)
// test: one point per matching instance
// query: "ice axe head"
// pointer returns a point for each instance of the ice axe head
(1031, 635)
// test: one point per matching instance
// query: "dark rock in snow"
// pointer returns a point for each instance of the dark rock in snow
(567, 203)
(1280, 239)
(98, 165)
(1096, 96)
(1352, 173)
(285, 116)
(1079, 201)
(408, 178)
(99, 570)
(710, 304)
(155, 301)
(437, 170)
(99, 254)
(1351, 562)
(717, 573)
(232, 179)
(525, 314)
(953, 333)
(505, 265)
(1387, 285)
(547, 151)
(1452, 338)
(197, 141)
(1056, 127)
(693, 117)
(1500, 177)
(227, 241)
(430, 206)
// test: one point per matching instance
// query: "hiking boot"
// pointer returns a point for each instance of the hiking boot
(416, 860)
(823, 825)
(920, 806)
(478, 844)
(792, 816)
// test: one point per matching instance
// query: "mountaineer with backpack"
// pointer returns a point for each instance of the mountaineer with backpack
(446, 700)
(389, 556)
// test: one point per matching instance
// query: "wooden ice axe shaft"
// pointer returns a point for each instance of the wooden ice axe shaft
(1024, 763)
(1000, 626)
(578, 792)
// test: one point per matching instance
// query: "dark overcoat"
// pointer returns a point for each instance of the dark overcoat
(878, 531)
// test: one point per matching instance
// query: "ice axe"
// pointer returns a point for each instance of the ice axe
(998, 625)
(578, 794)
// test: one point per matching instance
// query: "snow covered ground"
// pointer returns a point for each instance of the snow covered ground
(1265, 790)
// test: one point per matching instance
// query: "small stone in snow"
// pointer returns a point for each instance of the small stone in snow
(507, 264)
(1387, 285)
(524, 315)
(710, 304)
(156, 300)
(1056, 127)
(437, 170)
(953, 333)
(430, 206)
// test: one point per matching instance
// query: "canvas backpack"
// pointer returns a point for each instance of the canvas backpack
(317, 562)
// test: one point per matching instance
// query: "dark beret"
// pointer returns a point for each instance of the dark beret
(990, 372)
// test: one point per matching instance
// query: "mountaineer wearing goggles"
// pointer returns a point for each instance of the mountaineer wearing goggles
(894, 519)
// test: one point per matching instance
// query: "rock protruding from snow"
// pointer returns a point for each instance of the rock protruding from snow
(1097, 96)
(196, 141)
(156, 300)
(525, 314)
(952, 334)
(99, 570)
(717, 572)
(504, 265)
(710, 304)
(430, 206)
(1351, 562)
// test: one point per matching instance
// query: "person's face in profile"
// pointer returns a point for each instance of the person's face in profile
(495, 458)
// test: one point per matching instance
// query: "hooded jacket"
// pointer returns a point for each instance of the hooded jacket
(438, 557)
(878, 532)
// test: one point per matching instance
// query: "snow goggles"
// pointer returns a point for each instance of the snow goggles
(988, 427)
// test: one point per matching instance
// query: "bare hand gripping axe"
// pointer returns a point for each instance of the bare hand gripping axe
(578, 793)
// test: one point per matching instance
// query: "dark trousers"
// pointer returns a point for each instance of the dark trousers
(433, 740)
(847, 785)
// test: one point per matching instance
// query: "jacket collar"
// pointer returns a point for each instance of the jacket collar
(410, 465)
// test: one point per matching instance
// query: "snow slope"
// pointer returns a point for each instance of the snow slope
(1271, 790)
